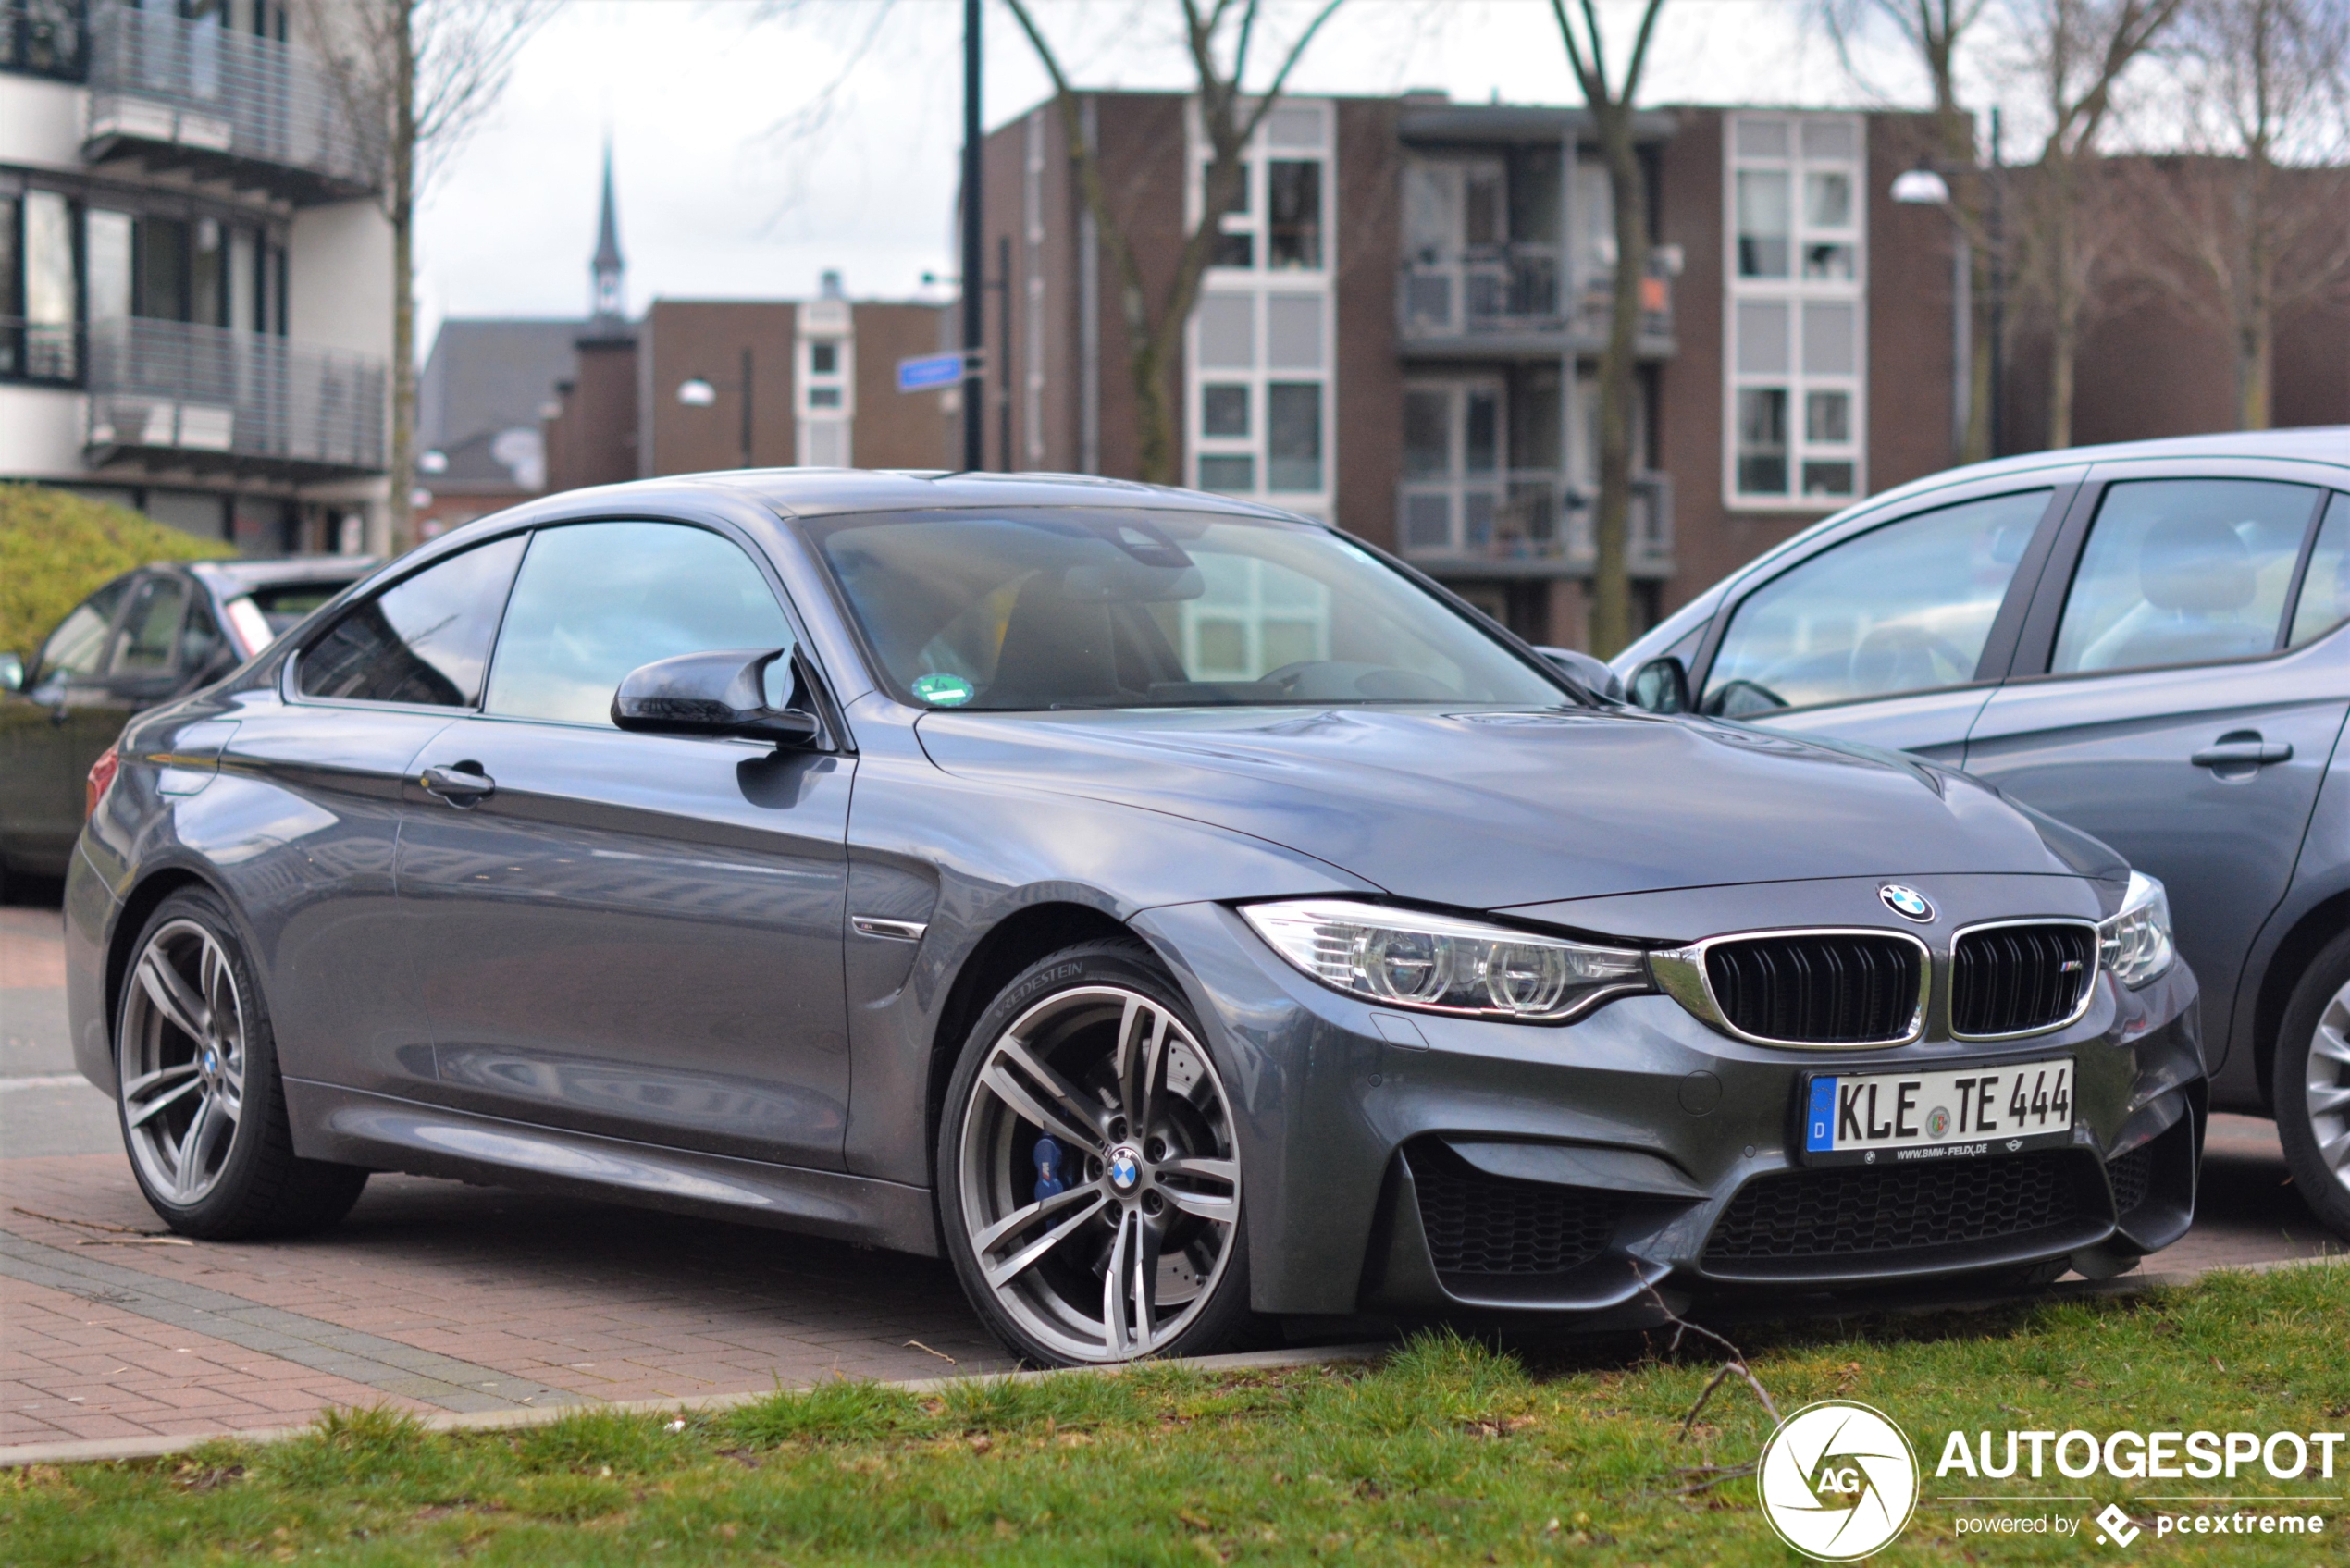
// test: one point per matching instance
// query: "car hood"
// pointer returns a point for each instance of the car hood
(1483, 809)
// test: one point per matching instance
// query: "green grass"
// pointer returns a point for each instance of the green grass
(56, 548)
(1449, 1452)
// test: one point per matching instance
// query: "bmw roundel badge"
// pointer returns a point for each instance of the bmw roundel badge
(1906, 902)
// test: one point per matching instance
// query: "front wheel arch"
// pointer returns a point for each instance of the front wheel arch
(2286, 967)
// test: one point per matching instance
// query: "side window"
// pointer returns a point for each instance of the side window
(2183, 572)
(1904, 608)
(200, 640)
(424, 640)
(74, 648)
(150, 630)
(594, 600)
(2325, 587)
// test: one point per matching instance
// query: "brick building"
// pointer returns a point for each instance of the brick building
(1402, 330)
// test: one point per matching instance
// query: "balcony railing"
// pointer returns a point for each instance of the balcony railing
(1519, 289)
(43, 38)
(1526, 522)
(170, 393)
(249, 109)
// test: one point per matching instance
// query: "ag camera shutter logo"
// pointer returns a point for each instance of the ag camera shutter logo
(1838, 1480)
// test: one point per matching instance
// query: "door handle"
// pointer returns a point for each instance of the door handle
(2237, 753)
(460, 786)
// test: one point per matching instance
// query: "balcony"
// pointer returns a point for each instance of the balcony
(1520, 299)
(1525, 522)
(170, 394)
(168, 93)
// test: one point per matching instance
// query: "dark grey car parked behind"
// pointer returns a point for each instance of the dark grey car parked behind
(142, 639)
(2146, 641)
(1168, 908)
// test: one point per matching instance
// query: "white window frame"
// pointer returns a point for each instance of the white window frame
(825, 321)
(1795, 291)
(1261, 284)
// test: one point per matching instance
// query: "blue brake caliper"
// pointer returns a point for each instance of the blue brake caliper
(1047, 1160)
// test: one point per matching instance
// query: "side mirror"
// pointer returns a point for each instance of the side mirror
(722, 693)
(1591, 673)
(1662, 685)
(11, 672)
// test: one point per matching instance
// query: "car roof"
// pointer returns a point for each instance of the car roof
(813, 492)
(2317, 443)
(230, 578)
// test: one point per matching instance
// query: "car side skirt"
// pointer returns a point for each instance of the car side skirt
(353, 1127)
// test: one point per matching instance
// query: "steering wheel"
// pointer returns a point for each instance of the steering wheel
(1901, 657)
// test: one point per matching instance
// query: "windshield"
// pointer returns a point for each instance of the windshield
(1120, 608)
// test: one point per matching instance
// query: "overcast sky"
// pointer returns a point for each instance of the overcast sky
(741, 174)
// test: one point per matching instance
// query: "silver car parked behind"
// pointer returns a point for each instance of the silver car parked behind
(2144, 641)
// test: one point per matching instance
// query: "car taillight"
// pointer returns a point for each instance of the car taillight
(102, 774)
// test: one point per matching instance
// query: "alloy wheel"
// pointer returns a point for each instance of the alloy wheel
(2326, 1086)
(1101, 1182)
(182, 1066)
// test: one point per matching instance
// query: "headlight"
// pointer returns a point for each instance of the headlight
(2134, 945)
(1441, 964)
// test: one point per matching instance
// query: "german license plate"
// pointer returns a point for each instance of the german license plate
(1957, 1114)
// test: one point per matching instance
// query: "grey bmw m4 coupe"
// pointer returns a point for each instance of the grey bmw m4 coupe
(1171, 910)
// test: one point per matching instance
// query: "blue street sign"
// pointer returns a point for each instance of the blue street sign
(929, 371)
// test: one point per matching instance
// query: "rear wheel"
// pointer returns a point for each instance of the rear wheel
(1089, 1172)
(203, 1112)
(2309, 1086)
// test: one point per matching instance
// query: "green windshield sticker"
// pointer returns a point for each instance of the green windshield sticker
(944, 691)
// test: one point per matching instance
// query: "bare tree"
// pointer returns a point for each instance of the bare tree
(1219, 36)
(2075, 53)
(417, 77)
(2253, 222)
(1610, 97)
(1936, 34)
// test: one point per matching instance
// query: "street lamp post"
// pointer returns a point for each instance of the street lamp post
(1925, 186)
(700, 391)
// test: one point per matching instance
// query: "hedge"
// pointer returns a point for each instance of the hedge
(56, 548)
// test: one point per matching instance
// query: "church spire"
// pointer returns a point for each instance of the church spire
(610, 303)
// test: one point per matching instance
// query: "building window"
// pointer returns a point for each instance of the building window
(825, 399)
(50, 345)
(1796, 312)
(43, 38)
(1276, 219)
(1293, 212)
(1258, 360)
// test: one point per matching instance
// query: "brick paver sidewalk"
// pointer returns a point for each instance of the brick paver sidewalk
(433, 1295)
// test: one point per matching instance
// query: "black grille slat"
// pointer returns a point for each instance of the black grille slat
(1856, 1211)
(2132, 1175)
(1817, 989)
(2013, 980)
(1479, 1223)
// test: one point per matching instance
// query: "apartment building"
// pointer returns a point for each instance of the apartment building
(195, 278)
(1401, 328)
(696, 385)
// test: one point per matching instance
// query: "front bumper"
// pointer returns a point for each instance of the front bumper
(1417, 1164)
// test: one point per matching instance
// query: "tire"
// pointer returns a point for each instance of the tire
(192, 1041)
(2309, 1086)
(1157, 1207)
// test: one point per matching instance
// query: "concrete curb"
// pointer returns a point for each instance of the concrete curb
(104, 1448)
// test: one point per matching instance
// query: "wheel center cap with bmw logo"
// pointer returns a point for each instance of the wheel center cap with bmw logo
(1125, 1168)
(1907, 902)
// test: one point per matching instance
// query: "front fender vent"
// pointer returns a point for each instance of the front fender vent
(1486, 1225)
